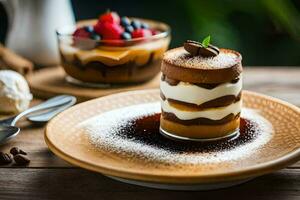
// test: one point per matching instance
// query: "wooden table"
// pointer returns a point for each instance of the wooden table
(49, 177)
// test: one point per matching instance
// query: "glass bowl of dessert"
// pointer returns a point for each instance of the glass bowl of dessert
(113, 49)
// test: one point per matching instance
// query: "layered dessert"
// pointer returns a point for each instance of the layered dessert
(113, 49)
(200, 91)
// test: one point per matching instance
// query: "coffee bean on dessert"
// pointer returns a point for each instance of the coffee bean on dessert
(192, 47)
(21, 159)
(125, 21)
(214, 48)
(129, 29)
(196, 48)
(89, 29)
(136, 24)
(144, 25)
(126, 36)
(15, 150)
(208, 52)
(5, 158)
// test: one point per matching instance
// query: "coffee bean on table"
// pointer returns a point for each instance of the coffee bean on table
(15, 150)
(21, 159)
(5, 158)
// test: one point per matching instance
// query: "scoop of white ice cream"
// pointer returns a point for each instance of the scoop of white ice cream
(15, 95)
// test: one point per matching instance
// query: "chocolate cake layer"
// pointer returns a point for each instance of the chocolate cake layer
(174, 82)
(215, 103)
(199, 121)
(178, 64)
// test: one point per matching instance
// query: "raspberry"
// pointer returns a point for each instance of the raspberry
(138, 33)
(98, 27)
(81, 33)
(111, 17)
(109, 31)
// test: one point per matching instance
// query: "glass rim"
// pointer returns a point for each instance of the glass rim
(165, 33)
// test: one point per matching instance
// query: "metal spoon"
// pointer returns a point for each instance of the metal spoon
(68, 98)
(8, 129)
(46, 116)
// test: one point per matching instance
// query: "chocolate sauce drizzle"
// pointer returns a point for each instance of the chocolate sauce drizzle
(215, 103)
(145, 130)
(200, 121)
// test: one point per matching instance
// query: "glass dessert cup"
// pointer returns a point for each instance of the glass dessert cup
(220, 115)
(112, 61)
(201, 96)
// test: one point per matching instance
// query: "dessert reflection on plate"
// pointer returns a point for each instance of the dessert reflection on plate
(113, 50)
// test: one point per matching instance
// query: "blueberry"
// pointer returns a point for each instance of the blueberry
(126, 36)
(95, 36)
(129, 29)
(89, 29)
(144, 26)
(136, 24)
(125, 21)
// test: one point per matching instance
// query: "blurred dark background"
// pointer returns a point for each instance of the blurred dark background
(266, 32)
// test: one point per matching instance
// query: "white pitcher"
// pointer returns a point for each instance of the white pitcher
(32, 25)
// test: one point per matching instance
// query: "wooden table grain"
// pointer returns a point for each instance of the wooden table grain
(49, 177)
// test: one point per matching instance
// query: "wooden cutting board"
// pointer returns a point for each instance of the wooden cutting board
(51, 81)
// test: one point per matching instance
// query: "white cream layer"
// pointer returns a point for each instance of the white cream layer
(212, 113)
(190, 93)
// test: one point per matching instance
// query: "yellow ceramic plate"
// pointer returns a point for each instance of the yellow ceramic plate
(70, 143)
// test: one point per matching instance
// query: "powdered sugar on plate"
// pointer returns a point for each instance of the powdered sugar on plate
(105, 132)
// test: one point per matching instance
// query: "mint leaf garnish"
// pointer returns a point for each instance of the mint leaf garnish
(206, 41)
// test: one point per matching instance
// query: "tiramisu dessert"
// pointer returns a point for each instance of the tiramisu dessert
(200, 91)
(113, 49)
